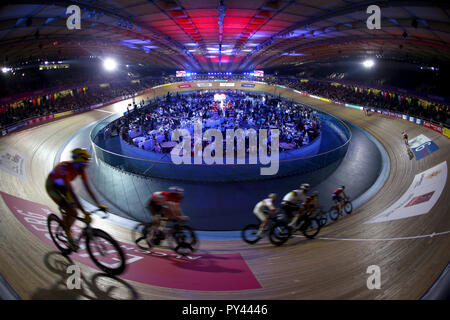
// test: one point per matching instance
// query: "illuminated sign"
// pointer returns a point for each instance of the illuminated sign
(204, 84)
(181, 73)
(53, 66)
(227, 84)
(258, 73)
(181, 86)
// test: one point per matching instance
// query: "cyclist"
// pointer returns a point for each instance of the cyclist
(61, 192)
(312, 202)
(337, 197)
(165, 204)
(290, 203)
(405, 137)
(263, 211)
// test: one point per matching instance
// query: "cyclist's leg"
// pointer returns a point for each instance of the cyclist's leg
(68, 210)
(155, 211)
(71, 211)
(261, 216)
(289, 210)
(341, 203)
(300, 211)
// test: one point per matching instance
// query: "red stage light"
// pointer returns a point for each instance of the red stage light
(177, 14)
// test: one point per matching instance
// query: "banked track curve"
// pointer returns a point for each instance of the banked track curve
(320, 269)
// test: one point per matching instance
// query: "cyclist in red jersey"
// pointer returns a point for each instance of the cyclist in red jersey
(339, 196)
(405, 137)
(61, 192)
(165, 204)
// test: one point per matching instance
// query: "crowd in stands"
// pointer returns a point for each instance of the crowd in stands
(149, 127)
(373, 99)
(77, 99)
(342, 93)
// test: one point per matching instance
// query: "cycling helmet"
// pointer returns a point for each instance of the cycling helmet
(178, 190)
(80, 155)
(272, 196)
(342, 187)
(304, 186)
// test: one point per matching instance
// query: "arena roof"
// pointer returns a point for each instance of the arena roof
(228, 35)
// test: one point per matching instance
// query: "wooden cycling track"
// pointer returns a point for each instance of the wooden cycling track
(314, 269)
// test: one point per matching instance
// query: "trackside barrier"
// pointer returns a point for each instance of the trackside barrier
(33, 121)
(150, 164)
(430, 125)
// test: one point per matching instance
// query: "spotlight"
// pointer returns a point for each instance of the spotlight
(110, 64)
(368, 63)
(5, 70)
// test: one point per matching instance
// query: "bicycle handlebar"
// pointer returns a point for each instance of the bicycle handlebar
(83, 219)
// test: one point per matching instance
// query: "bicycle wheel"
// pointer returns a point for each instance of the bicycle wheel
(105, 252)
(311, 228)
(279, 233)
(57, 233)
(250, 234)
(140, 235)
(334, 213)
(348, 207)
(186, 240)
(323, 220)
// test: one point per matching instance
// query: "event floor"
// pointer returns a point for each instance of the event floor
(411, 252)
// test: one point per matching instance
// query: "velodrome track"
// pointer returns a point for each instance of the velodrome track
(411, 252)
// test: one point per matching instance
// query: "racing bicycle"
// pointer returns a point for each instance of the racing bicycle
(180, 237)
(347, 208)
(103, 250)
(277, 227)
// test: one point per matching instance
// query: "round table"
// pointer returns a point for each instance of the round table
(169, 144)
(287, 146)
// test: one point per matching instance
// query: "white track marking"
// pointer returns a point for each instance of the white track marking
(103, 111)
(431, 235)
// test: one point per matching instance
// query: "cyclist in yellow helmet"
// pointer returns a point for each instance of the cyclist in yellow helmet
(60, 190)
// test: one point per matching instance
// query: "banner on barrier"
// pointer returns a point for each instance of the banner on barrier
(435, 127)
(95, 106)
(16, 127)
(41, 119)
(353, 106)
(186, 85)
(62, 114)
(427, 124)
(420, 197)
(446, 132)
(204, 84)
(252, 85)
(226, 84)
(418, 121)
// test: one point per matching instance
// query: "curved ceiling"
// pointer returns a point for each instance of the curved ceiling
(228, 35)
